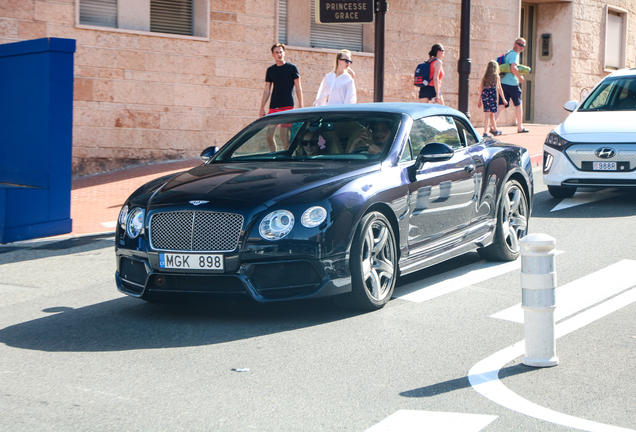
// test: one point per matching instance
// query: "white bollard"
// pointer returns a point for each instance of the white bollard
(538, 287)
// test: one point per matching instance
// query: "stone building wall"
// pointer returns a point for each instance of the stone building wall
(143, 97)
(588, 41)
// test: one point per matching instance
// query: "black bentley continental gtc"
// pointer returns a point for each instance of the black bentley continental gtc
(327, 201)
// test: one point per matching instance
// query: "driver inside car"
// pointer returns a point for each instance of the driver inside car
(374, 138)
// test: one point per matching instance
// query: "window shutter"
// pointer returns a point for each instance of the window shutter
(101, 13)
(171, 16)
(282, 21)
(614, 45)
(335, 36)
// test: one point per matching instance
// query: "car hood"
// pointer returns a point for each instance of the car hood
(260, 183)
(599, 126)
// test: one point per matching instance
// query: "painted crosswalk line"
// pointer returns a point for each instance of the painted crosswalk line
(584, 292)
(448, 282)
(439, 285)
(417, 421)
(586, 198)
(484, 376)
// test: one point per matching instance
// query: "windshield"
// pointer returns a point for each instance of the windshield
(618, 94)
(312, 136)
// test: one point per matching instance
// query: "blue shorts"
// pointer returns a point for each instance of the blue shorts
(511, 92)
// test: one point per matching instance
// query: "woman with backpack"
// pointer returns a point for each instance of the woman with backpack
(433, 91)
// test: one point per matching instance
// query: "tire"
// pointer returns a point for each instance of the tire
(373, 264)
(512, 224)
(562, 191)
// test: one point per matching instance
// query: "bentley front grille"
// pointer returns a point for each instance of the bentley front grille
(195, 231)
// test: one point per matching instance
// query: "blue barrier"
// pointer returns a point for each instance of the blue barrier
(36, 126)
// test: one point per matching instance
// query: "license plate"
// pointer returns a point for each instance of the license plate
(191, 261)
(604, 166)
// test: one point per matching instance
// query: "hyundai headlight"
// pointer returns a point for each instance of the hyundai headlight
(123, 215)
(135, 224)
(554, 140)
(313, 216)
(276, 225)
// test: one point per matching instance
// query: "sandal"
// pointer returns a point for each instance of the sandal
(486, 135)
(524, 130)
(496, 133)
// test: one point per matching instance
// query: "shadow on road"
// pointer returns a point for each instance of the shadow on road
(131, 324)
(462, 383)
(52, 247)
(592, 203)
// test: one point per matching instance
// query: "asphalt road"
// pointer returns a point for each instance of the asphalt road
(441, 356)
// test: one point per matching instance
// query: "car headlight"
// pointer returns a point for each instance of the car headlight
(123, 215)
(276, 225)
(313, 216)
(554, 140)
(135, 224)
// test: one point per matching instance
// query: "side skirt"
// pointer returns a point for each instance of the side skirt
(435, 256)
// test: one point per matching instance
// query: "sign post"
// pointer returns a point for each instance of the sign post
(381, 8)
(344, 11)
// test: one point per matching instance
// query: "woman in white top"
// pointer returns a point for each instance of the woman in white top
(338, 87)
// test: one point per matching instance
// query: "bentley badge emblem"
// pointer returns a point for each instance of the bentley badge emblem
(198, 202)
(605, 153)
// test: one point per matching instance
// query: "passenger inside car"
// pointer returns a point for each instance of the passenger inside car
(313, 144)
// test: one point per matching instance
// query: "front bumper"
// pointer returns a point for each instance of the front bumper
(262, 281)
(558, 170)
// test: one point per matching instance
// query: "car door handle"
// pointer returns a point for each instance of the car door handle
(469, 168)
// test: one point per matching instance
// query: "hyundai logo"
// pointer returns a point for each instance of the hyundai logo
(198, 202)
(605, 153)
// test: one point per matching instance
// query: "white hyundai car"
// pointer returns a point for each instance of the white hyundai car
(596, 145)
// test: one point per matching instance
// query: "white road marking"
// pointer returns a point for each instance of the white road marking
(111, 224)
(417, 421)
(584, 292)
(448, 282)
(484, 376)
(581, 198)
(439, 285)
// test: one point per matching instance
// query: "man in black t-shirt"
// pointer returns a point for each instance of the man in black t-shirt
(284, 77)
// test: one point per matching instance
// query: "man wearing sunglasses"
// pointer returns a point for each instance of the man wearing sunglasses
(510, 84)
(374, 138)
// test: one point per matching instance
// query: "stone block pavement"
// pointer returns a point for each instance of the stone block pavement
(97, 199)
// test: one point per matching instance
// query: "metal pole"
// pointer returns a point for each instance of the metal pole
(381, 7)
(463, 64)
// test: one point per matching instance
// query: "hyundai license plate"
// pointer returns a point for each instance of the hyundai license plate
(191, 261)
(604, 166)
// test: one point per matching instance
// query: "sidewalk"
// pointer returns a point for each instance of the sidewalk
(96, 200)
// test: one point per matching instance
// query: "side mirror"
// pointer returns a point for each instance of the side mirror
(208, 153)
(570, 105)
(433, 152)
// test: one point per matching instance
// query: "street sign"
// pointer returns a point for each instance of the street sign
(344, 11)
